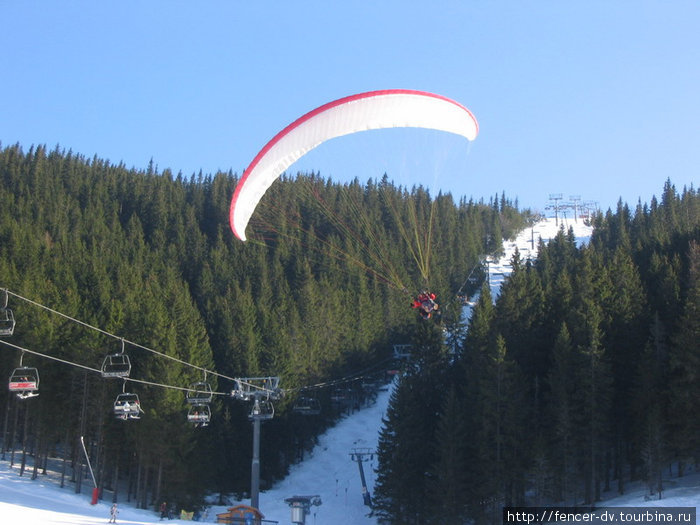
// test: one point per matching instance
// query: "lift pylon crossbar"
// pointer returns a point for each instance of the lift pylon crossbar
(249, 387)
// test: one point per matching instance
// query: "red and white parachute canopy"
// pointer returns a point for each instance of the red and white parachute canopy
(391, 108)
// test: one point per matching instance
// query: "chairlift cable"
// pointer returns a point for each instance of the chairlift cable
(90, 369)
(53, 358)
(479, 263)
(122, 339)
(346, 379)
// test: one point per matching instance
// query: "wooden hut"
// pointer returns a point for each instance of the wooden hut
(241, 514)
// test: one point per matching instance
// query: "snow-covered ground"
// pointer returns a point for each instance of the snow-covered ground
(526, 243)
(329, 471)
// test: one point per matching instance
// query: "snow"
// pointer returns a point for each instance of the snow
(527, 241)
(328, 472)
(331, 473)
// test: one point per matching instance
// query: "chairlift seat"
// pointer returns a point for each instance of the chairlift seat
(199, 414)
(127, 406)
(370, 386)
(402, 351)
(342, 395)
(24, 380)
(262, 409)
(116, 365)
(7, 322)
(199, 394)
(307, 406)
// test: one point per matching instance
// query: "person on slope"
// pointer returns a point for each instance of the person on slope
(425, 303)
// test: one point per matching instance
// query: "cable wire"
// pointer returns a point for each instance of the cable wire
(346, 379)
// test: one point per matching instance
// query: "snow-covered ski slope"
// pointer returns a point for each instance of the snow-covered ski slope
(330, 473)
(527, 241)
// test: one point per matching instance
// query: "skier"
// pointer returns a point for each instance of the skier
(113, 513)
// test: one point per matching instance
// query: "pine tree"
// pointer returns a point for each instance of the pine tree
(562, 382)
(501, 412)
(647, 409)
(451, 472)
(400, 490)
(684, 368)
(625, 334)
(593, 405)
(407, 449)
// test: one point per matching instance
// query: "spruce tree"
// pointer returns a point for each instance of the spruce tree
(563, 385)
(684, 369)
(449, 492)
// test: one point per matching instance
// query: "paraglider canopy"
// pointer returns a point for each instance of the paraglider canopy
(391, 108)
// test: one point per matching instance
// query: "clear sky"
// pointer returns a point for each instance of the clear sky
(597, 98)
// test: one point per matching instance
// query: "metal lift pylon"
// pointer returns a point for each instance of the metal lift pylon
(261, 391)
(361, 455)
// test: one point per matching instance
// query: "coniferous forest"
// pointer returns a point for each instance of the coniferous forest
(583, 375)
(98, 258)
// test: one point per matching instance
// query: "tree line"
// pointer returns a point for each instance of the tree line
(148, 256)
(581, 377)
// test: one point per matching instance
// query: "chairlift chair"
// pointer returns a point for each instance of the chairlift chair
(199, 393)
(7, 322)
(24, 381)
(200, 415)
(370, 386)
(307, 406)
(342, 395)
(7, 319)
(127, 406)
(262, 409)
(116, 365)
(402, 352)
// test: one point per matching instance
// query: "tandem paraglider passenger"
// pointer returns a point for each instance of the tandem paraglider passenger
(426, 305)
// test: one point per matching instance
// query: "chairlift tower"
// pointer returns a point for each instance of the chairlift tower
(261, 391)
(301, 505)
(589, 208)
(556, 197)
(575, 204)
(361, 455)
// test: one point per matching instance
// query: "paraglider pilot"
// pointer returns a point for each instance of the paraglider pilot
(425, 303)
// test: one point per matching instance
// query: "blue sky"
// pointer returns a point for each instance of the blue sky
(595, 98)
